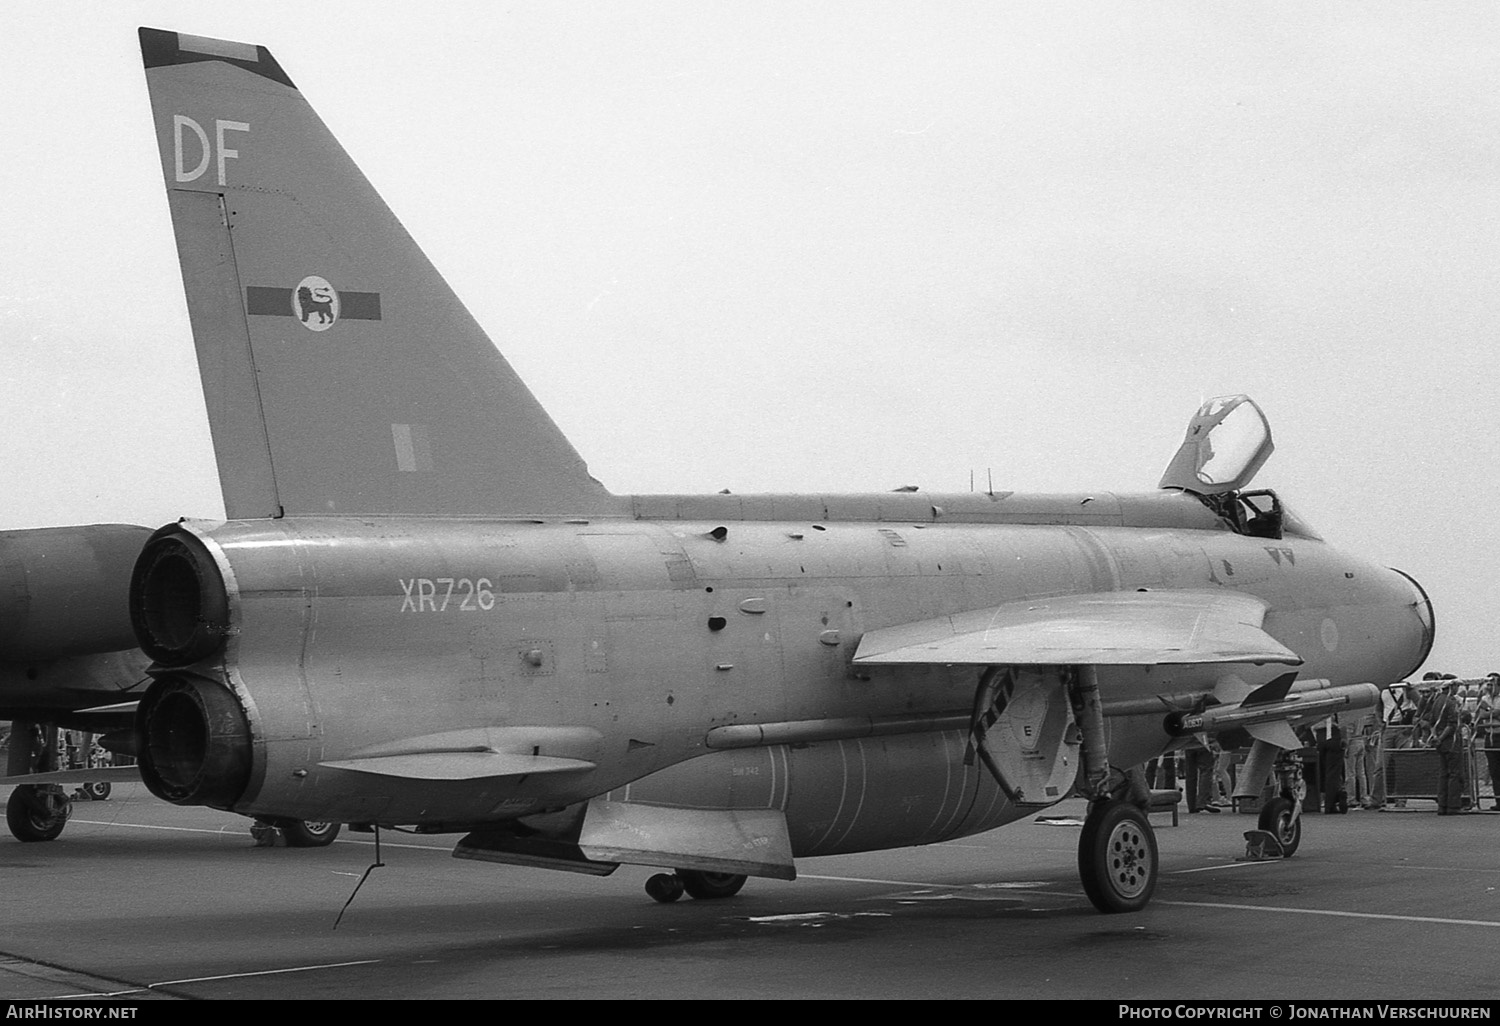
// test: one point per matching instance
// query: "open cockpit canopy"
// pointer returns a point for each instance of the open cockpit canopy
(1227, 442)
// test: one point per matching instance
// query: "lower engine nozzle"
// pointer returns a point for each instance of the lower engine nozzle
(193, 742)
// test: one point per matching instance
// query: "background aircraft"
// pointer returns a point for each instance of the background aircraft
(68, 660)
(68, 656)
(423, 611)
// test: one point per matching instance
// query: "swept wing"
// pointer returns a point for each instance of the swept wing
(1110, 628)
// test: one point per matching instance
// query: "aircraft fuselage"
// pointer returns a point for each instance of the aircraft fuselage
(631, 642)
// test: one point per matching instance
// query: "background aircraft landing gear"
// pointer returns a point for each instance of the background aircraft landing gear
(1117, 859)
(667, 887)
(37, 812)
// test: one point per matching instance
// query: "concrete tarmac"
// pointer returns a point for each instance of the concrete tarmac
(142, 900)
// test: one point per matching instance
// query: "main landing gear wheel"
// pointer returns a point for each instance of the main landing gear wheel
(1117, 859)
(301, 833)
(710, 885)
(665, 887)
(37, 812)
(293, 833)
(96, 791)
(668, 887)
(1276, 819)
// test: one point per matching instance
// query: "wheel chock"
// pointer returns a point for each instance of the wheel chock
(266, 835)
(1262, 846)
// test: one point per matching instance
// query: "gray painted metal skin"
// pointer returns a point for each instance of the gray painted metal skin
(606, 625)
(424, 611)
(66, 641)
(68, 656)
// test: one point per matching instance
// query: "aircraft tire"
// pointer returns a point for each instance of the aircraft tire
(664, 887)
(98, 790)
(1276, 819)
(1117, 858)
(710, 885)
(28, 824)
(302, 833)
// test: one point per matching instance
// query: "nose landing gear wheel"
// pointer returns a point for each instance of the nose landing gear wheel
(1117, 859)
(1276, 819)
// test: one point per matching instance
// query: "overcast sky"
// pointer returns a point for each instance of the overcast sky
(837, 247)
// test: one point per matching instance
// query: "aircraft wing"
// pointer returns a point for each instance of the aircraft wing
(124, 774)
(1104, 628)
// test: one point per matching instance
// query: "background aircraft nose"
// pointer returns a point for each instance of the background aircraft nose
(1422, 609)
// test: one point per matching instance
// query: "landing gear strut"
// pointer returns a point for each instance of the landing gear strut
(1279, 829)
(1117, 859)
(668, 887)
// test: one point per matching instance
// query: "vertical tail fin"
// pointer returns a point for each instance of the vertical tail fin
(342, 375)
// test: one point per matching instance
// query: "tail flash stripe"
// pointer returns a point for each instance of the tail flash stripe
(268, 302)
(360, 306)
(354, 306)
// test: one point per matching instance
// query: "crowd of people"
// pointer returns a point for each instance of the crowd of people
(1456, 718)
(1347, 762)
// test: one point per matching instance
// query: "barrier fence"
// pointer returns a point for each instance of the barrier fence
(1415, 772)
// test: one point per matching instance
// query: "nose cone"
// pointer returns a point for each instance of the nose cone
(1425, 623)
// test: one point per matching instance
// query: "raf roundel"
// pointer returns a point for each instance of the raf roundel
(1328, 633)
(315, 303)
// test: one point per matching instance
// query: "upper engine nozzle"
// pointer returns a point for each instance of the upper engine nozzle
(179, 606)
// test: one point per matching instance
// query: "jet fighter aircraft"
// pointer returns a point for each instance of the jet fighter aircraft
(423, 612)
